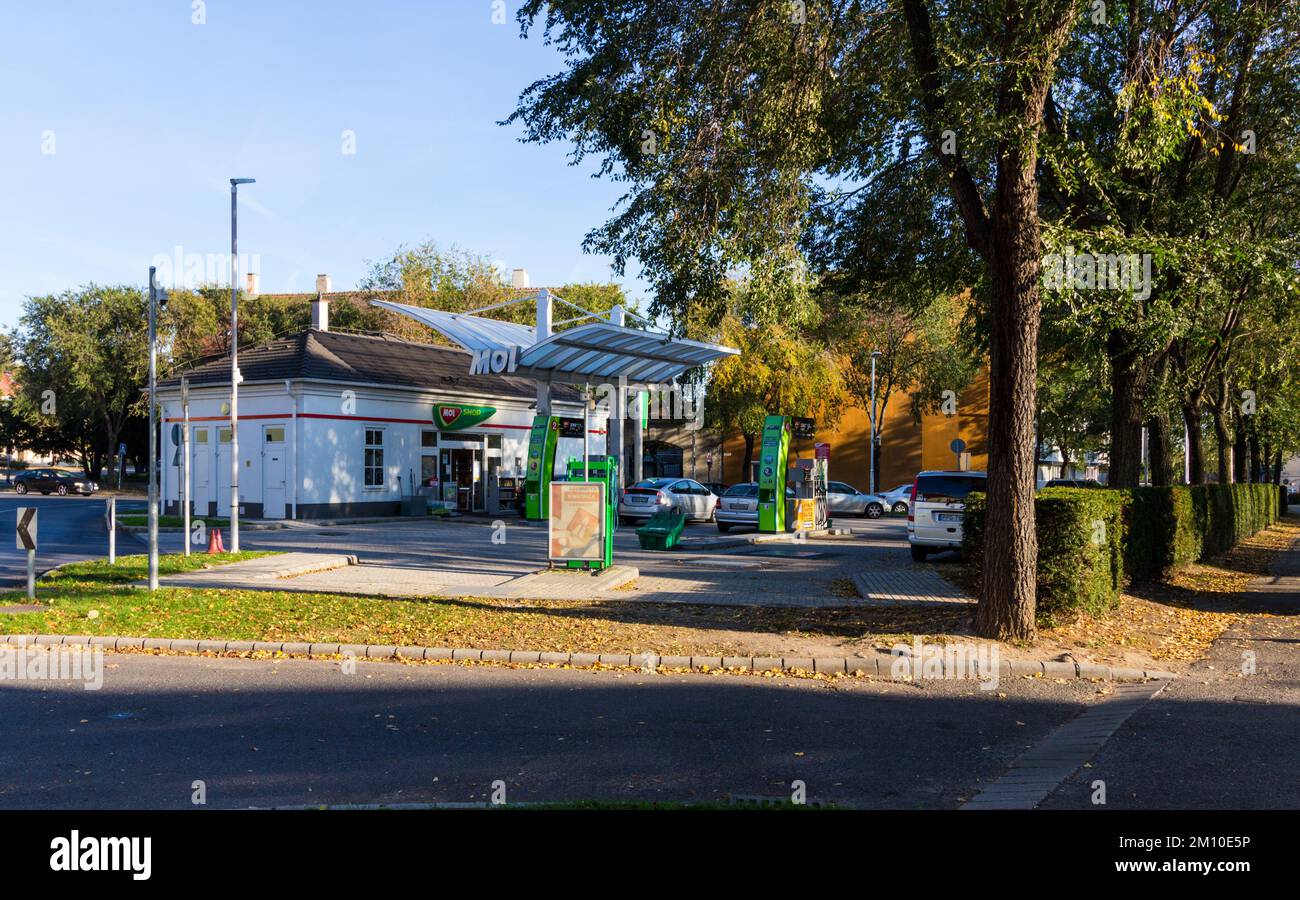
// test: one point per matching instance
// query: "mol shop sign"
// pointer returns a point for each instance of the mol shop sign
(455, 417)
(493, 362)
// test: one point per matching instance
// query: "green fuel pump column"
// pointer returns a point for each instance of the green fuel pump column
(773, 460)
(542, 441)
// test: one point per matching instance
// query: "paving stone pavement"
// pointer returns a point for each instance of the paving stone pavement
(908, 586)
(460, 559)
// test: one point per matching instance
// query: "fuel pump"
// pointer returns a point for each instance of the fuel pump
(542, 441)
(772, 462)
(602, 470)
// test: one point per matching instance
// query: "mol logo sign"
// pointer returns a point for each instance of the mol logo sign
(493, 362)
(454, 417)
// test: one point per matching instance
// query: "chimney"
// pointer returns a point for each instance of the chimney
(322, 284)
(252, 284)
(519, 278)
(320, 313)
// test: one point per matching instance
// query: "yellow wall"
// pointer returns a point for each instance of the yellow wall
(906, 448)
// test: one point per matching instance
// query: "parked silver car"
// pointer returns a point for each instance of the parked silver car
(738, 506)
(846, 500)
(900, 498)
(645, 498)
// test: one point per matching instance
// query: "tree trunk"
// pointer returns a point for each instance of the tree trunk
(745, 463)
(1277, 468)
(1223, 446)
(1256, 464)
(1065, 462)
(1158, 450)
(1128, 376)
(1240, 456)
(1195, 444)
(1008, 589)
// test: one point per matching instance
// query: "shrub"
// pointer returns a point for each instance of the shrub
(1144, 534)
(1080, 548)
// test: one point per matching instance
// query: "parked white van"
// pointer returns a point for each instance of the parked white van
(938, 509)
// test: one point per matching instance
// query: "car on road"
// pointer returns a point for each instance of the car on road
(1075, 482)
(645, 498)
(900, 498)
(934, 523)
(738, 507)
(846, 500)
(52, 481)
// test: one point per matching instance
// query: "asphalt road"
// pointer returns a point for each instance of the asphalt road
(69, 529)
(295, 732)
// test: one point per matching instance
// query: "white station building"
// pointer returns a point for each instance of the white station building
(333, 424)
(338, 425)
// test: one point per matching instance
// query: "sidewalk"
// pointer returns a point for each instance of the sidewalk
(341, 574)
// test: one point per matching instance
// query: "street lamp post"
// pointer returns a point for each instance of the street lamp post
(154, 296)
(871, 487)
(234, 361)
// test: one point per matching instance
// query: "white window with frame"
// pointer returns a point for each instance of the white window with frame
(373, 464)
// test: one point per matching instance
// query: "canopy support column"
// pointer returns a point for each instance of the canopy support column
(544, 309)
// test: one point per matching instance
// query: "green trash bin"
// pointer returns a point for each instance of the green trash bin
(663, 531)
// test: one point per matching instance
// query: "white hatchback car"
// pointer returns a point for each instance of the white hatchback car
(934, 523)
(645, 498)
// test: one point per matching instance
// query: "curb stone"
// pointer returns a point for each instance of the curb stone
(880, 665)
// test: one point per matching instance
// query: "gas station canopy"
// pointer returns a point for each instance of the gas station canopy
(599, 350)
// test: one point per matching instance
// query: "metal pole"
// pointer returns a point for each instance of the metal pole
(234, 363)
(185, 462)
(871, 478)
(153, 431)
(586, 397)
(31, 574)
(112, 531)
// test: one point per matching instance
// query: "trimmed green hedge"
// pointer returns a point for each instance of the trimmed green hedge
(1080, 548)
(1090, 540)
(1175, 526)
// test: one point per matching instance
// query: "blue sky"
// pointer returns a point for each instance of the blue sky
(148, 115)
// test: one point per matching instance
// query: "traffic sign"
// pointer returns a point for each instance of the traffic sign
(957, 445)
(25, 539)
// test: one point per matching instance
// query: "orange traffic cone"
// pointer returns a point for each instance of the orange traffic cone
(214, 541)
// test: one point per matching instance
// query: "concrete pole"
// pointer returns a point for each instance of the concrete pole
(234, 369)
(112, 530)
(614, 427)
(185, 462)
(153, 430)
(545, 307)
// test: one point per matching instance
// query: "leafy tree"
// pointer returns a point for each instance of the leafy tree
(778, 372)
(82, 361)
(922, 354)
(724, 117)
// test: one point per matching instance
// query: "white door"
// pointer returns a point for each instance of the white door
(200, 490)
(273, 471)
(222, 461)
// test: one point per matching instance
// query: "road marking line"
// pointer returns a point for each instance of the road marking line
(1034, 776)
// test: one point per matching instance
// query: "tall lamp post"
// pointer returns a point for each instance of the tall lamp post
(234, 361)
(156, 295)
(871, 488)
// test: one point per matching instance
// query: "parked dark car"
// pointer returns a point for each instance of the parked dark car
(1075, 482)
(52, 481)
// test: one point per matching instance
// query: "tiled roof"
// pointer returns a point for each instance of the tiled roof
(362, 359)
